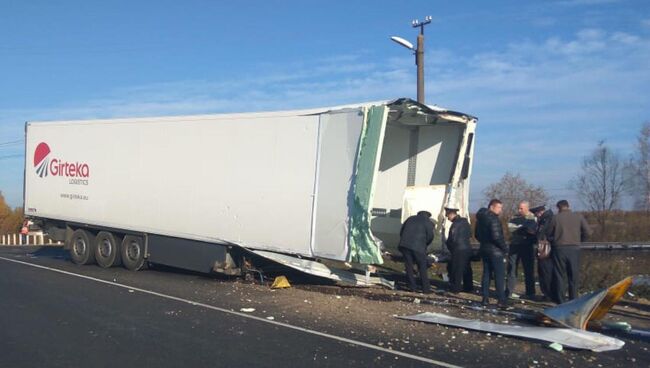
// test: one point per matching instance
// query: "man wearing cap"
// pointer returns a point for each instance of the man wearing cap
(415, 236)
(567, 230)
(544, 261)
(459, 266)
(522, 248)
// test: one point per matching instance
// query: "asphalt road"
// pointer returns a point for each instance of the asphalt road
(57, 314)
(53, 319)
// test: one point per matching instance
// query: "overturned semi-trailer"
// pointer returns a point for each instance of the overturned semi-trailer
(195, 191)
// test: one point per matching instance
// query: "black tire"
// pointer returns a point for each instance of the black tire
(108, 249)
(82, 247)
(132, 251)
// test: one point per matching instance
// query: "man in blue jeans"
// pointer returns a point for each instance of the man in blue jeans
(493, 250)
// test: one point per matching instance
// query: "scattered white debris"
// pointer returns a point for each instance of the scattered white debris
(247, 310)
(555, 346)
(416, 301)
(270, 318)
(130, 290)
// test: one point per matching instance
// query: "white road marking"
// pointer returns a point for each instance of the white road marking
(243, 315)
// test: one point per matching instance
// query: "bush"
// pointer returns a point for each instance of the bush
(10, 220)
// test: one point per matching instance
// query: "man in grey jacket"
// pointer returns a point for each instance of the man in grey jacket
(567, 230)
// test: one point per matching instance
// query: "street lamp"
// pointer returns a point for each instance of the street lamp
(419, 53)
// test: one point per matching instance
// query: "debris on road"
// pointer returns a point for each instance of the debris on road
(618, 326)
(318, 269)
(590, 307)
(280, 282)
(555, 346)
(571, 337)
(247, 310)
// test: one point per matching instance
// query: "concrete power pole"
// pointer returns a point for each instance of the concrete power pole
(419, 56)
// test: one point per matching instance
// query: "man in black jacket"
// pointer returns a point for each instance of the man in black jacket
(489, 233)
(522, 229)
(415, 236)
(460, 264)
(544, 264)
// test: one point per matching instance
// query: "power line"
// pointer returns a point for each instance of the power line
(11, 156)
(10, 143)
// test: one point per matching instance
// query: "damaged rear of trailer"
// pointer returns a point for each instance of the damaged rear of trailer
(199, 192)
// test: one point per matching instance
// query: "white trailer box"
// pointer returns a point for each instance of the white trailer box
(330, 183)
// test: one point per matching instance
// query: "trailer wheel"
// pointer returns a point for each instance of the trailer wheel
(82, 247)
(132, 251)
(107, 249)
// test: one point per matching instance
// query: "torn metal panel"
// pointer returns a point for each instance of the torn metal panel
(569, 337)
(579, 312)
(321, 270)
(364, 246)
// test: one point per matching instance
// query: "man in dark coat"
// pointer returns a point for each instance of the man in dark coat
(544, 265)
(489, 233)
(522, 249)
(567, 230)
(460, 264)
(415, 236)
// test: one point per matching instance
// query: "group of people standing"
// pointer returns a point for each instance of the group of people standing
(536, 234)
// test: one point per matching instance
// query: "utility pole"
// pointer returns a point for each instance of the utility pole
(414, 133)
(419, 55)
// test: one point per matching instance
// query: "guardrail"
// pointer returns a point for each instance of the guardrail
(27, 239)
(615, 246)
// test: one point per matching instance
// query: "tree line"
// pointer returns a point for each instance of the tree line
(11, 220)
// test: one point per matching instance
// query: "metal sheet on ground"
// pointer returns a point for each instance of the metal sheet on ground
(569, 337)
(321, 270)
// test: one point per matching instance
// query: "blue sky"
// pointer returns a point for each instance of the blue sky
(547, 79)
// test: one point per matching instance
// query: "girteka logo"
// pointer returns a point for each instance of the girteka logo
(46, 165)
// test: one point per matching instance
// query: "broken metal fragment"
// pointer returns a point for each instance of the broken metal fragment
(569, 337)
(319, 269)
(579, 312)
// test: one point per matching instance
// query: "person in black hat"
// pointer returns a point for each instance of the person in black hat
(544, 260)
(460, 264)
(415, 236)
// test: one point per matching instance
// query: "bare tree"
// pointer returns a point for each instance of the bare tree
(512, 189)
(639, 171)
(601, 183)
